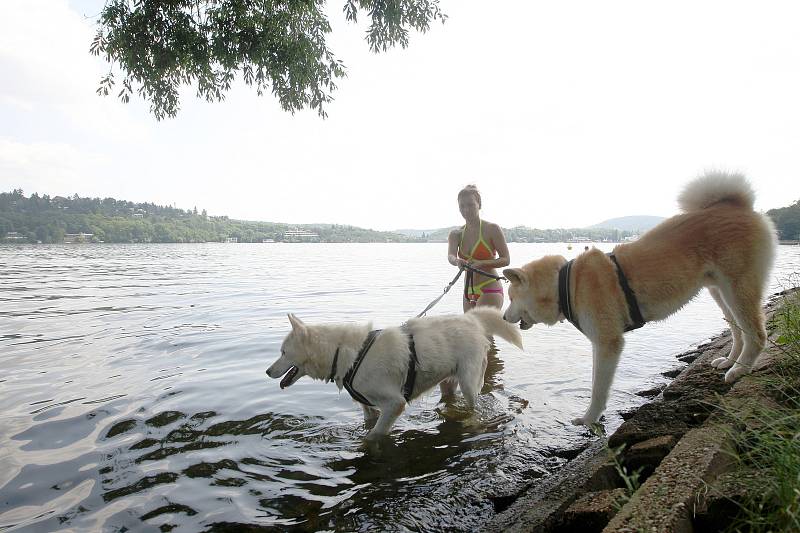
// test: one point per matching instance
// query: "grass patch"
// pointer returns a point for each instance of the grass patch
(768, 436)
(631, 478)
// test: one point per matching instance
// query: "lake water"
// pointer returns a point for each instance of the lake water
(133, 394)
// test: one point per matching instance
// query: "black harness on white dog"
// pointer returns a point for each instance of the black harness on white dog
(566, 307)
(347, 382)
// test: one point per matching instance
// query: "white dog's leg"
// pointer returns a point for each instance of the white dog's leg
(389, 413)
(470, 371)
(605, 356)
(448, 387)
(746, 308)
(370, 416)
(736, 332)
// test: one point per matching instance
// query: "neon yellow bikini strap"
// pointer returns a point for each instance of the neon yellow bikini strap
(480, 239)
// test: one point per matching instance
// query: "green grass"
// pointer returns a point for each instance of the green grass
(768, 436)
(628, 477)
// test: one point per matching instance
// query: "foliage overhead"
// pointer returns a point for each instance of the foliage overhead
(276, 45)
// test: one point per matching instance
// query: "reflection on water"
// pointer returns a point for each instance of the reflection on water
(133, 393)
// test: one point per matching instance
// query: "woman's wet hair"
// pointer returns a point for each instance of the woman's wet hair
(470, 189)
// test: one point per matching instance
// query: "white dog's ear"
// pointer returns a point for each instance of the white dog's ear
(297, 324)
(516, 276)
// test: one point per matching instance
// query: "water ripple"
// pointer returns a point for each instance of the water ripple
(133, 394)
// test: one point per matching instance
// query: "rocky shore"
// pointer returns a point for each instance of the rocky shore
(680, 446)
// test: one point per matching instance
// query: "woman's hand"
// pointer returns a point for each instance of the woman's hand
(463, 263)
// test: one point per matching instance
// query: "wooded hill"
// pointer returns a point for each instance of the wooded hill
(787, 221)
(48, 219)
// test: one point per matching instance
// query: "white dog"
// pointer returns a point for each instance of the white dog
(384, 370)
(718, 242)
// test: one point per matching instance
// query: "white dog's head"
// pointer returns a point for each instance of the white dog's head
(297, 356)
(534, 292)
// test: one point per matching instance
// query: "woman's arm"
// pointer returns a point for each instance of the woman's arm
(452, 248)
(499, 240)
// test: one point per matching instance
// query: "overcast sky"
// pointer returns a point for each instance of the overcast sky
(563, 113)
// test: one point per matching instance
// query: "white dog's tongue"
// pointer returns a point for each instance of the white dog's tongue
(289, 377)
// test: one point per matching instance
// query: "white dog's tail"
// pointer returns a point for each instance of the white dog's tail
(717, 187)
(491, 320)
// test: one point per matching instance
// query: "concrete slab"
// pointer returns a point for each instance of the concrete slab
(668, 499)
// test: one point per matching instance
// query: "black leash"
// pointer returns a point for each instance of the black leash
(446, 289)
(471, 270)
(484, 273)
(469, 284)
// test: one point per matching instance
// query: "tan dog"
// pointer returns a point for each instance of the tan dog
(718, 242)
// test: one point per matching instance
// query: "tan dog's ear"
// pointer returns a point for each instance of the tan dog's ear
(516, 276)
(297, 324)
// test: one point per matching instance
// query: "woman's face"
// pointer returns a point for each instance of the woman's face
(468, 206)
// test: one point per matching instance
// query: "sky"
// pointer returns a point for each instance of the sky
(563, 114)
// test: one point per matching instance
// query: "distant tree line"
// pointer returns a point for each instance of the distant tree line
(526, 234)
(48, 219)
(787, 221)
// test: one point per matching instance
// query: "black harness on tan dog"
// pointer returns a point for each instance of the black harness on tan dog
(347, 382)
(566, 307)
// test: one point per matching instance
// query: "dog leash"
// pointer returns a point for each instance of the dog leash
(408, 386)
(461, 270)
(446, 289)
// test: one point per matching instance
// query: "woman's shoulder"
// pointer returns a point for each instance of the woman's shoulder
(455, 233)
(491, 226)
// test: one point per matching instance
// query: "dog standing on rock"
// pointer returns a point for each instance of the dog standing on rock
(718, 242)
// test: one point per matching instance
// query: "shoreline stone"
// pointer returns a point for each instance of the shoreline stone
(677, 445)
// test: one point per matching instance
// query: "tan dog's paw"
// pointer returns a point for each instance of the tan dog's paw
(721, 363)
(735, 373)
(584, 420)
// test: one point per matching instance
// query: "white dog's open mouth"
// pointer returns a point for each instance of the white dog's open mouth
(524, 325)
(290, 377)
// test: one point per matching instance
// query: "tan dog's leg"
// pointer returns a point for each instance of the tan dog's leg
(736, 332)
(744, 300)
(605, 356)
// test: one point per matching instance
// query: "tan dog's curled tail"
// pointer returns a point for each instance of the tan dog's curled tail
(491, 320)
(717, 187)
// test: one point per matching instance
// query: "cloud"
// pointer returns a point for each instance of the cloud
(45, 167)
(49, 77)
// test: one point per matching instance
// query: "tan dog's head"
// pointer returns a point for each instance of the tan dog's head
(534, 292)
(297, 356)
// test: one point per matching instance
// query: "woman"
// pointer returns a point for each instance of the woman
(480, 244)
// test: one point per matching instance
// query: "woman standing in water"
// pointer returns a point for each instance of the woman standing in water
(480, 244)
